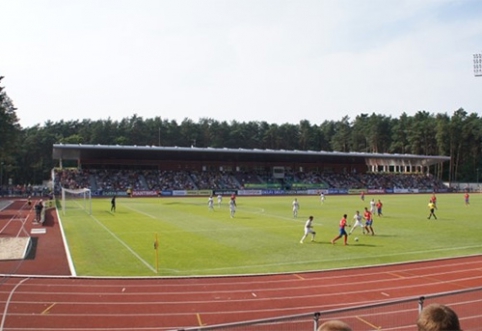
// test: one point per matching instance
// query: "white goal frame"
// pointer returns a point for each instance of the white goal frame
(84, 200)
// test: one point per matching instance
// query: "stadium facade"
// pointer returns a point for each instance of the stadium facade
(228, 159)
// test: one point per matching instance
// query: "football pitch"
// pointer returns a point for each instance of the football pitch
(263, 237)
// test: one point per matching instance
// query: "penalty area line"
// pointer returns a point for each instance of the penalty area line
(125, 245)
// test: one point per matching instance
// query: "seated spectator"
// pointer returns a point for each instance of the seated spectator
(437, 317)
(334, 325)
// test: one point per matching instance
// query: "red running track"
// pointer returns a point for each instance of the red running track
(57, 302)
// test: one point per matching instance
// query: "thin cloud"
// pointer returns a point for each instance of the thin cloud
(274, 61)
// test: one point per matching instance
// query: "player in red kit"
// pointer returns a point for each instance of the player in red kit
(379, 206)
(368, 221)
(343, 233)
(433, 199)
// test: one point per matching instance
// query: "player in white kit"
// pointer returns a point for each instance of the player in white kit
(308, 230)
(358, 222)
(296, 207)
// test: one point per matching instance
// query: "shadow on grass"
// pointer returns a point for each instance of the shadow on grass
(112, 213)
(186, 203)
(338, 243)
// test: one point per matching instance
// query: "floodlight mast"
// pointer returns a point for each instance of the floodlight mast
(478, 65)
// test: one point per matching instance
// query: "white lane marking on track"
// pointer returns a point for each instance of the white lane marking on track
(9, 299)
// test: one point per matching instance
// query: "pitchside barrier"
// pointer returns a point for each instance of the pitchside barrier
(394, 315)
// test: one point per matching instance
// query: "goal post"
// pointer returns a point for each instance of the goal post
(79, 199)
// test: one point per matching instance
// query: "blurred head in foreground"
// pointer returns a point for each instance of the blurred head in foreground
(334, 325)
(437, 317)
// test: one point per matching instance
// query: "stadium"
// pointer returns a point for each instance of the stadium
(162, 260)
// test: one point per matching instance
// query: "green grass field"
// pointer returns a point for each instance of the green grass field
(263, 237)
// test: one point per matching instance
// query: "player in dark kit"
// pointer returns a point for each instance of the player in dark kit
(431, 207)
(112, 204)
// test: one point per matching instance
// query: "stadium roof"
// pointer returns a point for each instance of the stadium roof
(155, 153)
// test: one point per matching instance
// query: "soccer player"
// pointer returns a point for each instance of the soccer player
(433, 199)
(431, 207)
(368, 221)
(220, 200)
(308, 230)
(358, 222)
(296, 206)
(362, 195)
(232, 207)
(322, 197)
(372, 206)
(343, 233)
(379, 208)
(211, 203)
(112, 204)
(467, 197)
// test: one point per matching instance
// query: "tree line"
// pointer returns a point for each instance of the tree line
(26, 153)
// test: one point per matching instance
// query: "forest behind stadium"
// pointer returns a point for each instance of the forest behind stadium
(26, 153)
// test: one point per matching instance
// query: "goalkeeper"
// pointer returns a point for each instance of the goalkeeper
(112, 204)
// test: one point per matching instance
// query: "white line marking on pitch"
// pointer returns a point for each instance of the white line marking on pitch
(124, 244)
(141, 212)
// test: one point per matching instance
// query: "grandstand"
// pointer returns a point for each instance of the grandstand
(154, 170)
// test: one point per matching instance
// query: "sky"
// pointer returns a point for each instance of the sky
(277, 61)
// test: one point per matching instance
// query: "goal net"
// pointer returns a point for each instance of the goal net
(80, 199)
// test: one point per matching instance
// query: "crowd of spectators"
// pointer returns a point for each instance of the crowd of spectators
(24, 190)
(72, 178)
(117, 180)
(158, 180)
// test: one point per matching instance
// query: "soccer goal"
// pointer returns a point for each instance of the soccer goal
(80, 199)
